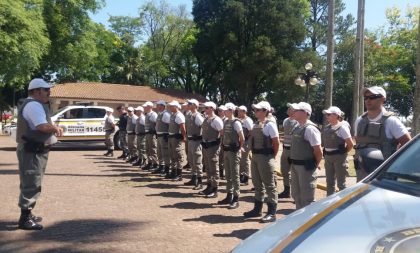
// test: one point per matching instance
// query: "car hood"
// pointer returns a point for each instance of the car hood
(367, 217)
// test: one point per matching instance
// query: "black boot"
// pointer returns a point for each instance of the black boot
(165, 171)
(159, 170)
(199, 184)
(26, 222)
(245, 180)
(226, 200)
(285, 194)
(171, 175)
(147, 166)
(131, 159)
(271, 213)
(187, 166)
(235, 202)
(256, 212)
(123, 155)
(205, 191)
(222, 172)
(178, 175)
(138, 162)
(109, 153)
(212, 193)
(192, 182)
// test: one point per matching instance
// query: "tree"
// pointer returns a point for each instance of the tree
(330, 55)
(416, 118)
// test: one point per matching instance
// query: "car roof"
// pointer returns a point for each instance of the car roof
(86, 106)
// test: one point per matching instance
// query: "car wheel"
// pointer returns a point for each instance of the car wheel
(117, 142)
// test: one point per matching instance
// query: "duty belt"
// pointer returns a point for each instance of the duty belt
(176, 136)
(263, 151)
(151, 132)
(195, 138)
(334, 152)
(232, 148)
(209, 144)
(141, 134)
(286, 147)
(132, 133)
(162, 135)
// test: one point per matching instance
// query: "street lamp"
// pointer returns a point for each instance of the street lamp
(307, 79)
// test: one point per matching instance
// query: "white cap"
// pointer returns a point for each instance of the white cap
(376, 90)
(109, 109)
(38, 83)
(139, 108)
(210, 104)
(262, 105)
(130, 109)
(230, 106)
(222, 108)
(243, 108)
(333, 110)
(160, 102)
(193, 101)
(185, 103)
(175, 103)
(148, 103)
(301, 106)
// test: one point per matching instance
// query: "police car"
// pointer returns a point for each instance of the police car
(378, 215)
(82, 123)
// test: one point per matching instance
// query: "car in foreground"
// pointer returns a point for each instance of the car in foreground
(378, 215)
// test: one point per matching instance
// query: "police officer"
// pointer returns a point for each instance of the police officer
(212, 128)
(122, 133)
(109, 128)
(245, 163)
(177, 138)
(265, 145)
(376, 129)
(194, 121)
(140, 137)
(131, 135)
(232, 144)
(288, 124)
(337, 142)
(185, 109)
(150, 129)
(221, 113)
(162, 130)
(305, 155)
(35, 132)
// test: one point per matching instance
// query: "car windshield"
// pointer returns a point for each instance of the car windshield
(404, 170)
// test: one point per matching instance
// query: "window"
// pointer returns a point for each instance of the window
(74, 114)
(95, 113)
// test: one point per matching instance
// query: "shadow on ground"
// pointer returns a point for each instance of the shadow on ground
(189, 205)
(75, 232)
(218, 219)
(241, 234)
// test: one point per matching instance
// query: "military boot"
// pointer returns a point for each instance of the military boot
(271, 213)
(285, 194)
(245, 179)
(213, 192)
(138, 162)
(256, 212)
(227, 200)
(147, 166)
(205, 191)
(178, 175)
(165, 171)
(159, 170)
(192, 182)
(234, 203)
(199, 184)
(26, 222)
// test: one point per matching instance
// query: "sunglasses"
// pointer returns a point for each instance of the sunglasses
(372, 97)
(260, 110)
(207, 108)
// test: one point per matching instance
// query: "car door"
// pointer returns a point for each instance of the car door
(94, 123)
(71, 121)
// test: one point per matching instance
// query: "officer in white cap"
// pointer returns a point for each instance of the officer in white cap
(162, 131)
(305, 155)
(109, 127)
(265, 145)
(151, 141)
(337, 142)
(376, 129)
(185, 109)
(122, 133)
(140, 136)
(288, 125)
(34, 134)
(232, 144)
(221, 113)
(131, 135)
(193, 122)
(247, 124)
(212, 128)
(177, 138)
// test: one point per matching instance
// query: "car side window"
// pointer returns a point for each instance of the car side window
(74, 114)
(95, 113)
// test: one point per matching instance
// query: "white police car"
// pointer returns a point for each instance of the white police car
(377, 215)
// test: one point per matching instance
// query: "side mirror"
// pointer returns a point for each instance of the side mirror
(61, 116)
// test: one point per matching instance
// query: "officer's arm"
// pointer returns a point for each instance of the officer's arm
(183, 131)
(49, 128)
(349, 144)
(317, 154)
(404, 139)
(241, 139)
(276, 144)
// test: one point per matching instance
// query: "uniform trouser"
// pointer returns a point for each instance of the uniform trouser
(303, 184)
(123, 141)
(245, 162)
(195, 157)
(151, 148)
(176, 151)
(31, 172)
(131, 143)
(163, 150)
(211, 162)
(335, 168)
(263, 177)
(231, 162)
(109, 139)
(186, 152)
(221, 159)
(141, 147)
(285, 166)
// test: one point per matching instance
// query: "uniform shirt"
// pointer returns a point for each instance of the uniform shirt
(247, 123)
(217, 124)
(199, 119)
(34, 114)
(237, 126)
(312, 135)
(166, 118)
(179, 118)
(394, 128)
(134, 119)
(343, 132)
(142, 120)
(122, 123)
(270, 129)
(153, 116)
(285, 121)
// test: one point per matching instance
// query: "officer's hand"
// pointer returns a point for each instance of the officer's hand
(59, 131)
(242, 150)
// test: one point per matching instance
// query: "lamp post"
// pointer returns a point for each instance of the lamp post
(307, 79)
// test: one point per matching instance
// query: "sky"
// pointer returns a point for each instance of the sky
(374, 9)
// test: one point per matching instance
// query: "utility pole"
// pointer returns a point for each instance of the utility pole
(416, 117)
(358, 86)
(330, 55)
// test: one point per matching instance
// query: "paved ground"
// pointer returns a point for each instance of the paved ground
(96, 204)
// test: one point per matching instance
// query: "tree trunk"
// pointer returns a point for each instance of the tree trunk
(416, 117)
(330, 55)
